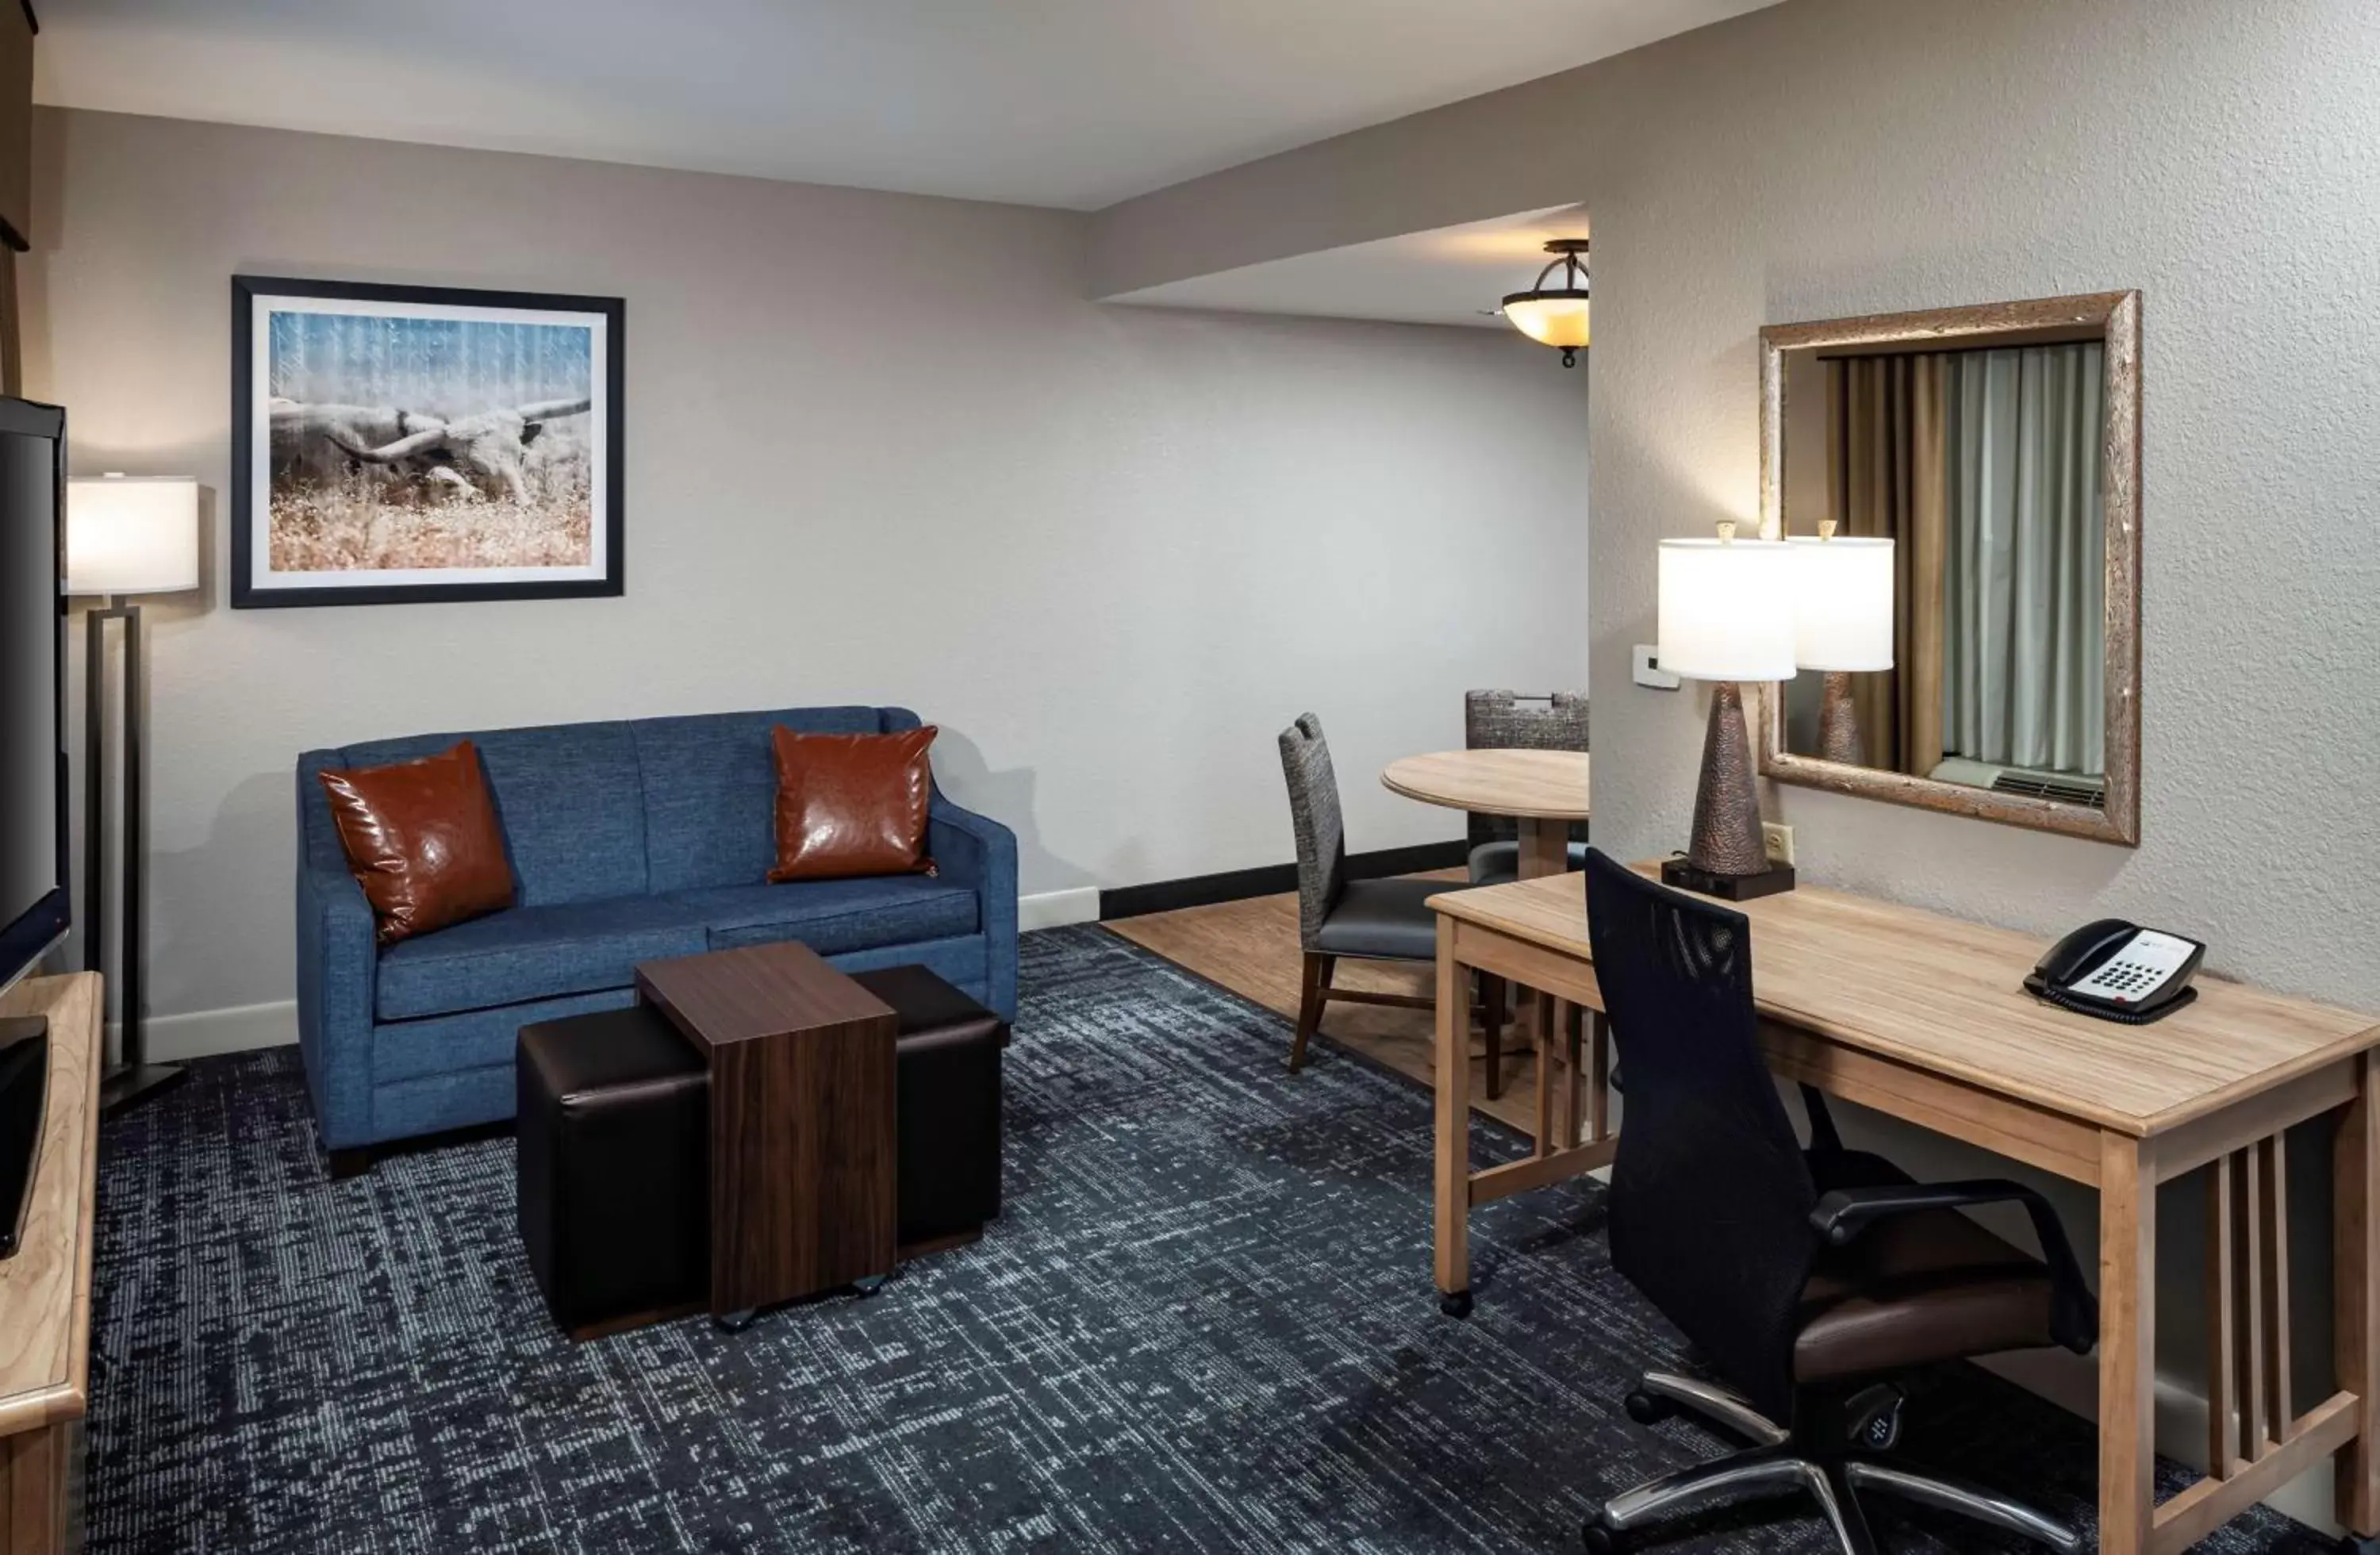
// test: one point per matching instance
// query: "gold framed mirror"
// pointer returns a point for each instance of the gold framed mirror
(1997, 449)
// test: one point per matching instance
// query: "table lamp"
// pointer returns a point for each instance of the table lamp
(1726, 616)
(1843, 594)
(125, 535)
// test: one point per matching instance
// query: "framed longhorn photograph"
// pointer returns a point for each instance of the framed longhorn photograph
(415, 443)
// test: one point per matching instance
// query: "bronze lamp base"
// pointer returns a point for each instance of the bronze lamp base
(1726, 855)
(1838, 728)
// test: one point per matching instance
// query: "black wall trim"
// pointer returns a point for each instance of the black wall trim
(1270, 879)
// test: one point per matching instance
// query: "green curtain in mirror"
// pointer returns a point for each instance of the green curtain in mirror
(2023, 672)
(1984, 468)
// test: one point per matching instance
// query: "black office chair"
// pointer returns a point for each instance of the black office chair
(1805, 1278)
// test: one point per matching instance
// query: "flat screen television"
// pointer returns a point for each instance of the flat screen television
(34, 881)
(34, 885)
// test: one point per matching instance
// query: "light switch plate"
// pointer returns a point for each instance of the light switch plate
(1778, 839)
(1649, 672)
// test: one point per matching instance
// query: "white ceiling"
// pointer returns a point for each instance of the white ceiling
(1449, 276)
(1066, 103)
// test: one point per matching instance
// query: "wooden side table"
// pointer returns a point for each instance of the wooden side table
(804, 1169)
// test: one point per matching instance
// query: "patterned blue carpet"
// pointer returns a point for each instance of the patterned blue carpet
(1205, 1323)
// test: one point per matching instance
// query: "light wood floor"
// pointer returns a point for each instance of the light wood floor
(1250, 947)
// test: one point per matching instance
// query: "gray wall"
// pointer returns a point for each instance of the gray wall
(879, 448)
(1834, 157)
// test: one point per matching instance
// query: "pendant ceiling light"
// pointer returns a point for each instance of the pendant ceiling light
(1556, 316)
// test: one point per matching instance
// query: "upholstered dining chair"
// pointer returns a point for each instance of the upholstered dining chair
(1365, 920)
(1508, 721)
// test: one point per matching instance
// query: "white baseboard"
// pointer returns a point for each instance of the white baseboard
(203, 1033)
(1053, 909)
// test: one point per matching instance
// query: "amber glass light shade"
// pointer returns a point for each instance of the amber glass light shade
(1554, 311)
(1550, 318)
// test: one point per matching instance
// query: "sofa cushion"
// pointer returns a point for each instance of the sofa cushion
(711, 791)
(533, 952)
(569, 795)
(423, 840)
(852, 806)
(832, 916)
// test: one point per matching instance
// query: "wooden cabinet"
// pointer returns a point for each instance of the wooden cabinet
(45, 1288)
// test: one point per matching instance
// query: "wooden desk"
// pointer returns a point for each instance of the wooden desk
(1543, 791)
(1922, 1017)
(45, 1288)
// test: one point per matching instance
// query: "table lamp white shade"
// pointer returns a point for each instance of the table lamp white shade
(132, 534)
(1727, 609)
(1843, 603)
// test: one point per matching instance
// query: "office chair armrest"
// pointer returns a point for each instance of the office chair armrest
(1841, 1216)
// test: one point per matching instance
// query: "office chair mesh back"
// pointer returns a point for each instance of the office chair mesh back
(1710, 1196)
(1314, 813)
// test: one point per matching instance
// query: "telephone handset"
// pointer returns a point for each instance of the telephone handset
(2118, 971)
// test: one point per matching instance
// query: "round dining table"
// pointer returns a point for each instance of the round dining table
(1544, 791)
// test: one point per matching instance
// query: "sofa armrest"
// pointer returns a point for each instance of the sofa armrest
(338, 962)
(974, 850)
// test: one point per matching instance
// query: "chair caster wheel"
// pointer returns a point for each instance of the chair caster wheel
(736, 1321)
(1455, 1303)
(869, 1284)
(1600, 1540)
(1647, 1409)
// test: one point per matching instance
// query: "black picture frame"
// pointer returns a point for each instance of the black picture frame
(249, 514)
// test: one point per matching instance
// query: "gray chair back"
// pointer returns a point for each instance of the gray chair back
(1506, 720)
(1321, 831)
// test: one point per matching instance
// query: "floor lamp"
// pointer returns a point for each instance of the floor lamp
(125, 535)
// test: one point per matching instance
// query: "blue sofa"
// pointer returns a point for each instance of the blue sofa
(629, 842)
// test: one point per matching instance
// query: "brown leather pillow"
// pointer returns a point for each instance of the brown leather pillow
(423, 840)
(852, 805)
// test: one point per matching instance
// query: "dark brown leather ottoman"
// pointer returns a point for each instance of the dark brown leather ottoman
(613, 1133)
(947, 1049)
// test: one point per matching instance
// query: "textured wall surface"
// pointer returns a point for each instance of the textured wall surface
(1834, 157)
(879, 449)
(1831, 157)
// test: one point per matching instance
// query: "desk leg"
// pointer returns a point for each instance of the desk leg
(2127, 1344)
(2355, 1285)
(1453, 1087)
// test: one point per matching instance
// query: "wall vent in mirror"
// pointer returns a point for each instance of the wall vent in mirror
(2064, 786)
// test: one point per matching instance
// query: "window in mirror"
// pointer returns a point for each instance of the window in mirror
(1984, 468)
(1991, 447)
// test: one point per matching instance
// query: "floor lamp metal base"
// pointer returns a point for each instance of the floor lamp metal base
(127, 1086)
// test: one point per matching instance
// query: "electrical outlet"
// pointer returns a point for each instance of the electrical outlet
(1778, 839)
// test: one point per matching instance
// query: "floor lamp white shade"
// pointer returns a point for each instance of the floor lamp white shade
(132, 534)
(1842, 599)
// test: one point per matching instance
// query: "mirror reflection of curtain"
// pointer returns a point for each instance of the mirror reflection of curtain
(1887, 440)
(2024, 657)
